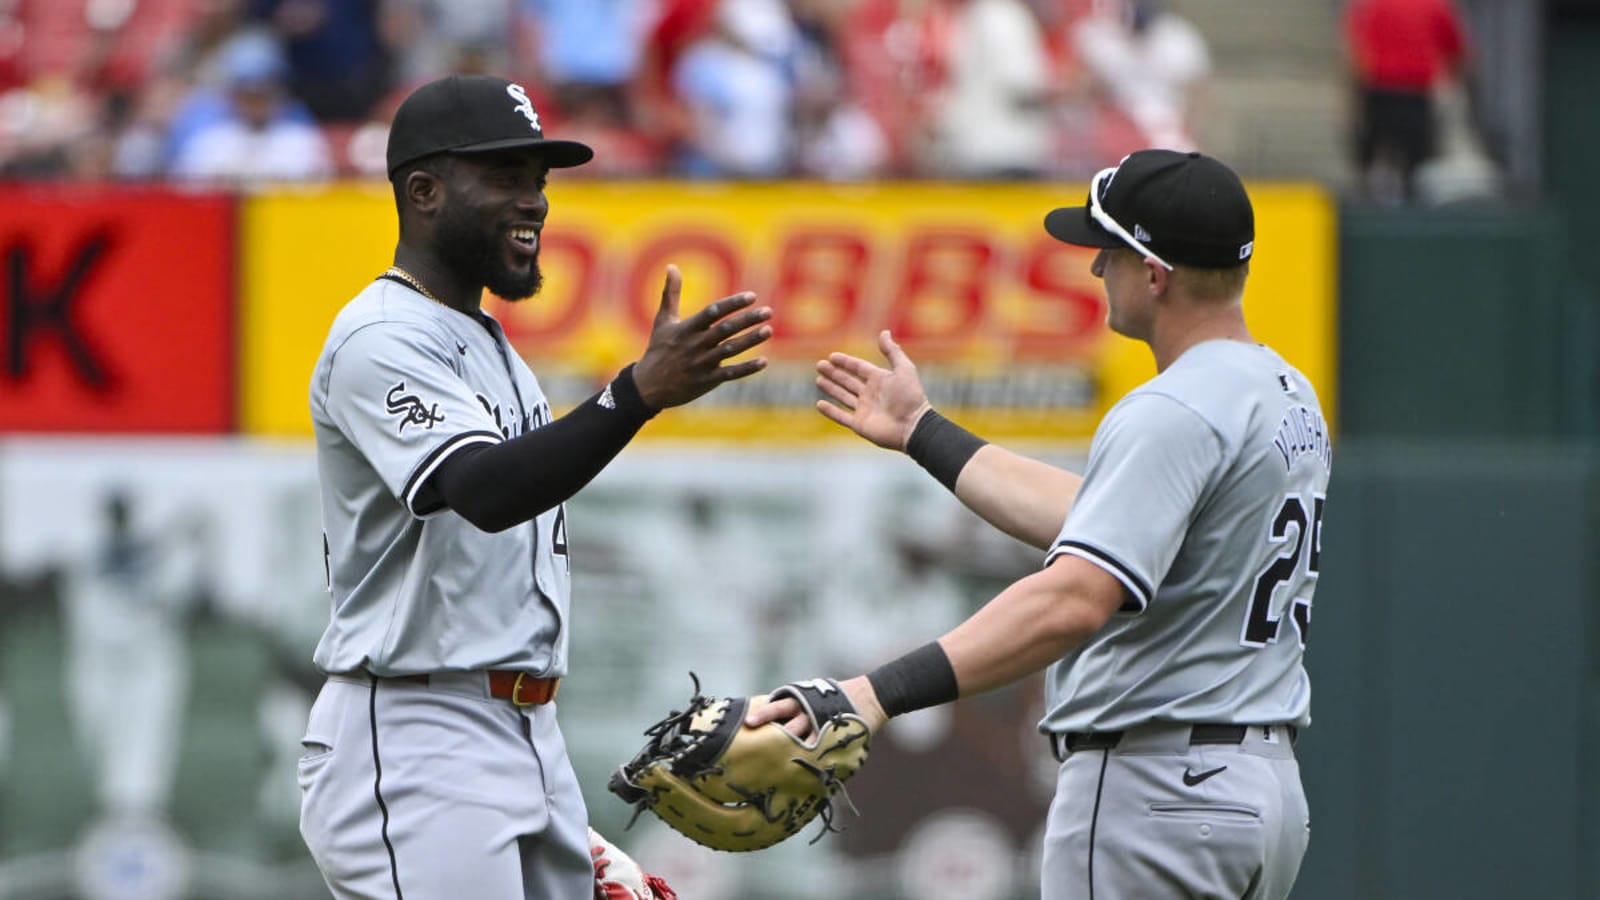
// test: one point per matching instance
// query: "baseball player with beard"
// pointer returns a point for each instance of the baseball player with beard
(1172, 609)
(433, 766)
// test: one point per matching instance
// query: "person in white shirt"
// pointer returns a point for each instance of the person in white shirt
(995, 118)
(1150, 63)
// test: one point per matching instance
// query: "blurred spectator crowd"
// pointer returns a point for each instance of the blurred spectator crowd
(246, 91)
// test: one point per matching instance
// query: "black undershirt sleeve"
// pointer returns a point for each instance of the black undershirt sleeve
(496, 486)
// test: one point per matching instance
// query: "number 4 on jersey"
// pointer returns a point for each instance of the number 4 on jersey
(1261, 627)
(558, 535)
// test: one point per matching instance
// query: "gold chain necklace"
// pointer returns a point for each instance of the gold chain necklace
(411, 280)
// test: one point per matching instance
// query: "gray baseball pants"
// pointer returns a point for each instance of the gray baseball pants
(430, 791)
(1156, 817)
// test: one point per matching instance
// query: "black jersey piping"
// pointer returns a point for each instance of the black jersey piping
(1139, 591)
(377, 790)
(1094, 818)
(434, 460)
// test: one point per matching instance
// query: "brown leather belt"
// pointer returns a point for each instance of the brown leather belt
(520, 688)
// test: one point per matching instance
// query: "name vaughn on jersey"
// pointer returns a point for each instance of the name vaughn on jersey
(1303, 431)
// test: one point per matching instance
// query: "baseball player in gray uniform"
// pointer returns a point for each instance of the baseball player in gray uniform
(1175, 597)
(434, 767)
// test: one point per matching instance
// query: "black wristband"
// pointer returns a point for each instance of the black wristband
(921, 678)
(625, 393)
(942, 447)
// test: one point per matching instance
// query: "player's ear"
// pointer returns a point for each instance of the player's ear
(1157, 277)
(424, 190)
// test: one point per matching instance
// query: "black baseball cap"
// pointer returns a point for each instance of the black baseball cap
(474, 114)
(1177, 208)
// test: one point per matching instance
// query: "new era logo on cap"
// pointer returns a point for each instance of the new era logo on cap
(471, 114)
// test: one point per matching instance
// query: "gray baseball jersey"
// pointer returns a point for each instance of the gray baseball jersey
(402, 383)
(433, 788)
(1203, 495)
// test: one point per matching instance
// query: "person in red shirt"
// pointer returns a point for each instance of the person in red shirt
(1401, 51)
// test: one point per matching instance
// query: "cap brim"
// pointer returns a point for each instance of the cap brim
(1072, 225)
(556, 154)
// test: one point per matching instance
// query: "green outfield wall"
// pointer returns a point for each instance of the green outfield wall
(1456, 682)
(1456, 649)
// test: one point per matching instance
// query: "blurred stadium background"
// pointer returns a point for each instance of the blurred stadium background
(191, 189)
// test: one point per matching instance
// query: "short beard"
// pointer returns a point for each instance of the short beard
(474, 256)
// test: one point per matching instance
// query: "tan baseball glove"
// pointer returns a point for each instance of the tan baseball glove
(730, 787)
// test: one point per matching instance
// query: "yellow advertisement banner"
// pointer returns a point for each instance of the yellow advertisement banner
(1007, 326)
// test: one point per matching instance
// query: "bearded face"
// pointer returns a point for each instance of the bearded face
(474, 246)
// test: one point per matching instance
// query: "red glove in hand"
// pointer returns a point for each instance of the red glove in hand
(618, 877)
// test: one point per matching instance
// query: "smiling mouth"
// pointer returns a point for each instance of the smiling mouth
(525, 239)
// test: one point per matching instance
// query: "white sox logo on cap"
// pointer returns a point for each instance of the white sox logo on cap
(467, 114)
(524, 105)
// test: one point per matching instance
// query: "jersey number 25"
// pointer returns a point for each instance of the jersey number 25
(1301, 541)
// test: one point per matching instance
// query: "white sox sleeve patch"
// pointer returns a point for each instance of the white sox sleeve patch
(396, 395)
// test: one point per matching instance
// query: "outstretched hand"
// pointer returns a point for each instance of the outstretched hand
(882, 405)
(684, 359)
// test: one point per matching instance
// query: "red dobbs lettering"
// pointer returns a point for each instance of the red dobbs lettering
(1062, 309)
(699, 251)
(821, 279)
(940, 290)
(943, 292)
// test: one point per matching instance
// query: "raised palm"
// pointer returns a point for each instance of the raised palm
(882, 405)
